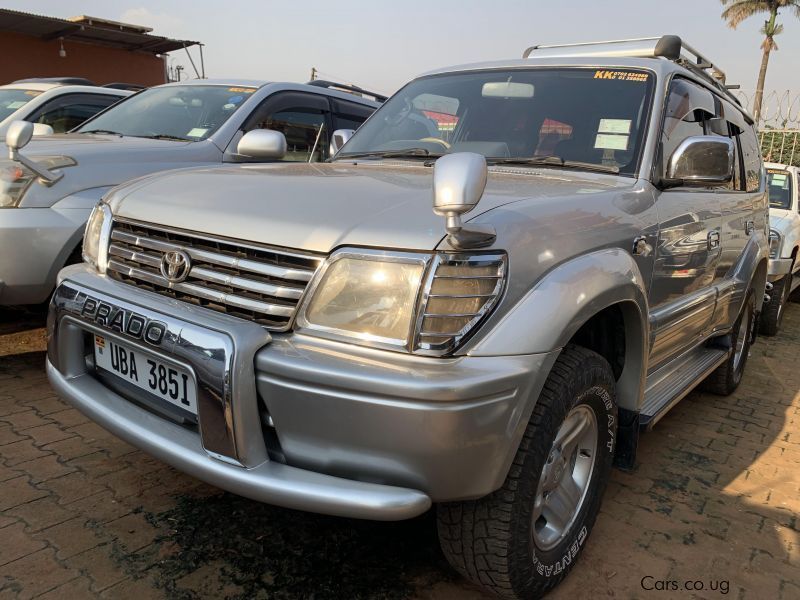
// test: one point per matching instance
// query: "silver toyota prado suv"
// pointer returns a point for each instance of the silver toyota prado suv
(505, 274)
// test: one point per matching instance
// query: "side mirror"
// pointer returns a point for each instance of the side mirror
(18, 134)
(262, 143)
(701, 161)
(339, 139)
(458, 183)
(42, 129)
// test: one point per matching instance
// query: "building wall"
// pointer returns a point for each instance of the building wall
(25, 56)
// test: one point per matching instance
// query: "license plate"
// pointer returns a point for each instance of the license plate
(145, 371)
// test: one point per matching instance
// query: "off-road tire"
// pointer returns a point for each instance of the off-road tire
(489, 541)
(724, 380)
(772, 312)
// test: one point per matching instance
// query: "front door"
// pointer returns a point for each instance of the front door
(682, 294)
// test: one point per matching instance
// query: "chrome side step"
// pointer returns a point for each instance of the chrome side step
(668, 386)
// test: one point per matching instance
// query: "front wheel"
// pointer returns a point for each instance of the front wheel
(522, 540)
(772, 313)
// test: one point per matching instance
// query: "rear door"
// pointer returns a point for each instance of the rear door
(682, 294)
(738, 219)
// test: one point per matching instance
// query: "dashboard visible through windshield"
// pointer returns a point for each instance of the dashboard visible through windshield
(588, 118)
(181, 112)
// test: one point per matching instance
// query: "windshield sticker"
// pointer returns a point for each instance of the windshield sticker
(197, 132)
(777, 179)
(606, 141)
(32, 93)
(241, 90)
(235, 99)
(622, 126)
(621, 75)
(17, 104)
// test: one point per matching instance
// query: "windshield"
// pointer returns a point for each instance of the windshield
(779, 184)
(188, 112)
(549, 116)
(12, 100)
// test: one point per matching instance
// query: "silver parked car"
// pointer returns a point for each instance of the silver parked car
(48, 190)
(322, 337)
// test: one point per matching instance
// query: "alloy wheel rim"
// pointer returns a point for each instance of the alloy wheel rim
(565, 478)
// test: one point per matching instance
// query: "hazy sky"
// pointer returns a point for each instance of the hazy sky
(382, 44)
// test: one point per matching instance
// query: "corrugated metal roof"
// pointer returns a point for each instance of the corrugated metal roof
(99, 32)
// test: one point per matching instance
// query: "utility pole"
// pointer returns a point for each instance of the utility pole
(313, 73)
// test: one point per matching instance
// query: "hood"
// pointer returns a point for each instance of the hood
(319, 207)
(98, 148)
(104, 161)
(777, 216)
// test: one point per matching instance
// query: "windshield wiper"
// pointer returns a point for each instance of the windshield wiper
(165, 136)
(103, 131)
(553, 161)
(404, 153)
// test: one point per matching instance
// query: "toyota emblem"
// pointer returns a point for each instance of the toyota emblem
(175, 266)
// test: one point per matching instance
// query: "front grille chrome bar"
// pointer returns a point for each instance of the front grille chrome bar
(257, 283)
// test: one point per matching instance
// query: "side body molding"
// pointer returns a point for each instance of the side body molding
(554, 310)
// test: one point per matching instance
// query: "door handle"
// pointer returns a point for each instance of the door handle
(749, 227)
(713, 240)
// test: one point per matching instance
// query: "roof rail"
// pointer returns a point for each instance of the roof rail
(353, 89)
(670, 47)
(121, 85)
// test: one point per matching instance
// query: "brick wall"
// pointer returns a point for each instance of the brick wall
(25, 56)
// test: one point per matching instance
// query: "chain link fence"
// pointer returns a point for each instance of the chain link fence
(778, 125)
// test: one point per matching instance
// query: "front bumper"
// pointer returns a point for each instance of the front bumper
(778, 267)
(34, 244)
(360, 432)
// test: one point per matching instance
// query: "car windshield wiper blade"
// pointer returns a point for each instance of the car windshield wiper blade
(404, 153)
(103, 131)
(165, 136)
(553, 161)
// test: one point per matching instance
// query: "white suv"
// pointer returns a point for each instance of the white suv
(58, 106)
(784, 241)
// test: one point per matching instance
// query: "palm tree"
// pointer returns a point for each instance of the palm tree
(739, 10)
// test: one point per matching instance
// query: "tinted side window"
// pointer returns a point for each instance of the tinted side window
(67, 112)
(302, 118)
(688, 105)
(751, 153)
(349, 115)
(306, 138)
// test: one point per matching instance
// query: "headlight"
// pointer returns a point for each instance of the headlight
(417, 303)
(15, 179)
(370, 297)
(774, 243)
(95, 237)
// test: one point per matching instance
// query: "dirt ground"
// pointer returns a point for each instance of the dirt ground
(711, 510)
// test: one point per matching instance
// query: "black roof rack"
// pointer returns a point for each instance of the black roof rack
(131, 87)
(353, 89)
(62, 80)
(670, 47)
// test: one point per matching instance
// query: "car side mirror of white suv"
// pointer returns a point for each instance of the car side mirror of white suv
(262, 143)
(42, 129)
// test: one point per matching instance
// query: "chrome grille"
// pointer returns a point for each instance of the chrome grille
(252, 282)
